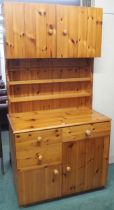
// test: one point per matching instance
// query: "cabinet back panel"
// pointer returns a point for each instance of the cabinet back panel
(50, 104)
(39, 89)
(38, 84)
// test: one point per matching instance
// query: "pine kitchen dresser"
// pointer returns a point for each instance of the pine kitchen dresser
(59, 144)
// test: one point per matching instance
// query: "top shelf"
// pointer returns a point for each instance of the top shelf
(43, 81)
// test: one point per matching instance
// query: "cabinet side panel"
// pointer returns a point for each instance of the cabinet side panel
(99, 15)
(13, 157)
(105, 160)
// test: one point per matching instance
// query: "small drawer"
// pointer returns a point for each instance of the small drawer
(43, 138)
(32, 155)
(79, 132)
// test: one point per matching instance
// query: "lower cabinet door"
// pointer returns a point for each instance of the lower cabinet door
(85, 164)
(36, 185)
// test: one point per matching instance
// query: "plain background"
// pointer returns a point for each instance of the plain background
(103, 82)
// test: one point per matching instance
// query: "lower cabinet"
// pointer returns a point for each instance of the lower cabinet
(85, 164)
(39, 184)
(84, 167)
(55, 163)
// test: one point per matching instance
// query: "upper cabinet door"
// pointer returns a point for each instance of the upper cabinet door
(79, 31)
(30, 30)
(40, 31)
(15, 30)
(45, 31)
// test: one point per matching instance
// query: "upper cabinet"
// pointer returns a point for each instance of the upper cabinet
(52, 31)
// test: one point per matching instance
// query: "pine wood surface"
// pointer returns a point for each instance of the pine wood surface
(86, 161)
(46, 81)
(52, 31)
(40, 120)
(59, 145)
(31, 155)
(33, 190)
(49, 84)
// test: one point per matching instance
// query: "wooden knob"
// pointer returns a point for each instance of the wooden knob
(65, 32)
(39, 139)
(50, 32)
(40, 157)
(68, 168)
(56, 172)
(88, 132)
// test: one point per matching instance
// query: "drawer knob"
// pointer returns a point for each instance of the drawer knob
(88, 133)
(56, 172)
(50, 32)
(68, 168)
(65, 32)
(40, 157)
(39, 139)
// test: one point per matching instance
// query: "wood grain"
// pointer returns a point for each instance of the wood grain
(49, 84)
(36, 121)
(28, 154)
(52, 31)
(38, 185)
(59, 145)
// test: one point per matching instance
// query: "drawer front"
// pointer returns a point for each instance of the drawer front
(40, 137)
(31, 155)
(86, 131)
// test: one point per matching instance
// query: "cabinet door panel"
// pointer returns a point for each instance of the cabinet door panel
(45, 31)
(91, 32)
(53, 182)
(30, 28)
(39, 184)
(73, 157)
(88, 161)
(71, 31)
(9, 41)
(15, 31)
(79, 31)
(82, 34)
(67, 31)
(19, 30)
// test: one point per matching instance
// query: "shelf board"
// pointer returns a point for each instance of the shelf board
(43, 81)
(50, 96)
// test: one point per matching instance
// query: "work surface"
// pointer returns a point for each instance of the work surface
(40, 120)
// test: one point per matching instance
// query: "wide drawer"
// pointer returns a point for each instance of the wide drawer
(29, 154)
(43, 138)
(79, 132)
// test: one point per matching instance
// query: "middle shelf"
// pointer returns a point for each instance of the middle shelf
(43, 81)
(50, 96)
